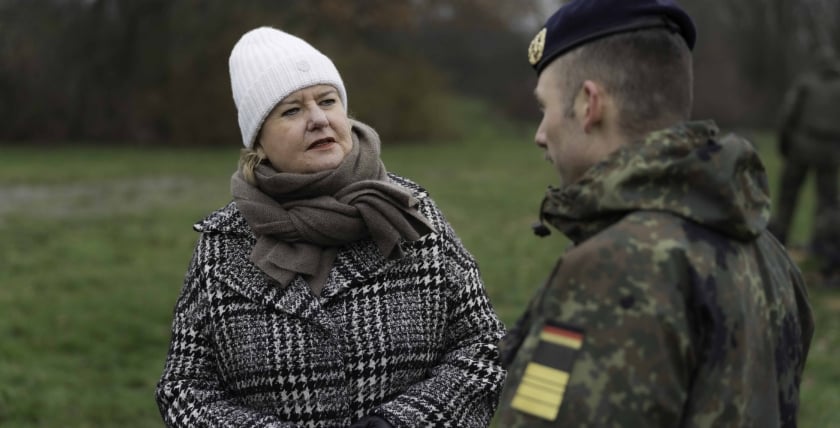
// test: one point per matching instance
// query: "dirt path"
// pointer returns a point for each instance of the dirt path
(102, 198)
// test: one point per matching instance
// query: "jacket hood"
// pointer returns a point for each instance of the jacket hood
(685, 170)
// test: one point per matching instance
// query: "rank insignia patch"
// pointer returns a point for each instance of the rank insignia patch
(540, 392)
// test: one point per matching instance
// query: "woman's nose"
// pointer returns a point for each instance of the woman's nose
(317, 118)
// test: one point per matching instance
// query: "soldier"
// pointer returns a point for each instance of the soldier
(675, 306)
(809, 140)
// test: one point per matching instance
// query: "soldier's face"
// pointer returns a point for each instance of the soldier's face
(562, 133)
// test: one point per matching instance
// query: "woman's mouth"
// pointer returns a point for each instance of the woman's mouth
(321, 144)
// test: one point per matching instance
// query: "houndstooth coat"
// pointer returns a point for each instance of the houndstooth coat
(412, 340)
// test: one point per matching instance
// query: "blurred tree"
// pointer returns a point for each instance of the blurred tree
(83, 70)
(768, 43)
(27, 93)
(156, 70)
(481, 45)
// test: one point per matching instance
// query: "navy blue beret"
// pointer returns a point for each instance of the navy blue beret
(582, 21)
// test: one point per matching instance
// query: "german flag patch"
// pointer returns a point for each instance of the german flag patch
(540, 392)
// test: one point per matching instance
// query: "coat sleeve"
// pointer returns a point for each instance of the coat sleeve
(610, 346)
(190, 393)
(510, 344)
(463, 389)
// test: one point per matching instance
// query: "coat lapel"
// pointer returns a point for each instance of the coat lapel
(241, 275)
(356, 263)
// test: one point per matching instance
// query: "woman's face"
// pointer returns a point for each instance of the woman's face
(307, 132)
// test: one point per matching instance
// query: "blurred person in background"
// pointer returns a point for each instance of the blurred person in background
(675, 307)
(809, 140)
(329, 292)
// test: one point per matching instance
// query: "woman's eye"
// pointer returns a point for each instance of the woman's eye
(327, 102)
(290, 111)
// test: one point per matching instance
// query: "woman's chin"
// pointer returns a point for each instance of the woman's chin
(323, 163)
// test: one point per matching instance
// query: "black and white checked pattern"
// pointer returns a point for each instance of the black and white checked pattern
(412, 340)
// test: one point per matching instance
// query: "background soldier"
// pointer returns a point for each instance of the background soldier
(809, 140)
(675, 307)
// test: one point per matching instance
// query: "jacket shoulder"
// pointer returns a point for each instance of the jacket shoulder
(641, 229)
(650, 247)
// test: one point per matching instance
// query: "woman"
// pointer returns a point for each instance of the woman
(329, 292)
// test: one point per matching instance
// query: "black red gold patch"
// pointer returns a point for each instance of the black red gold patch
(540, 392)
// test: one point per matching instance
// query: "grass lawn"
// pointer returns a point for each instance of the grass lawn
(95, 242)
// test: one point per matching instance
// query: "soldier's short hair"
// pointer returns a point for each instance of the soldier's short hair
(648, 72)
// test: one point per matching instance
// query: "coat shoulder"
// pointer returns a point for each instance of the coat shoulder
(426, 205)
(416, 190)
(227, 220)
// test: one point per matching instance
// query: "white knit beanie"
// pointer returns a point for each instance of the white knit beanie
(266, 65)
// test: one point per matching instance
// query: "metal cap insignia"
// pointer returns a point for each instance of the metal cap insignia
(535, 51)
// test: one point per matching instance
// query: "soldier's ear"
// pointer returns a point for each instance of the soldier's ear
(592, 100)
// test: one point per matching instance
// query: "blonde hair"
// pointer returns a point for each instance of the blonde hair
(248, 161)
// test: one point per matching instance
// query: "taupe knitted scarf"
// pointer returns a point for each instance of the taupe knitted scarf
(299, 219)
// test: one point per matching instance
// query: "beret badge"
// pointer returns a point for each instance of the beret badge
(535, 51)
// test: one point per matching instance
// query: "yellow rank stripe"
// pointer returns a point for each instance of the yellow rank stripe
(540, 392)
(558, 339)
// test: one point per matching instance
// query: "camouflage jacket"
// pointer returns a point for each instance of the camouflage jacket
(675, 307)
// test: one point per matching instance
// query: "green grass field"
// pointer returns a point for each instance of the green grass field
(95, 242)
